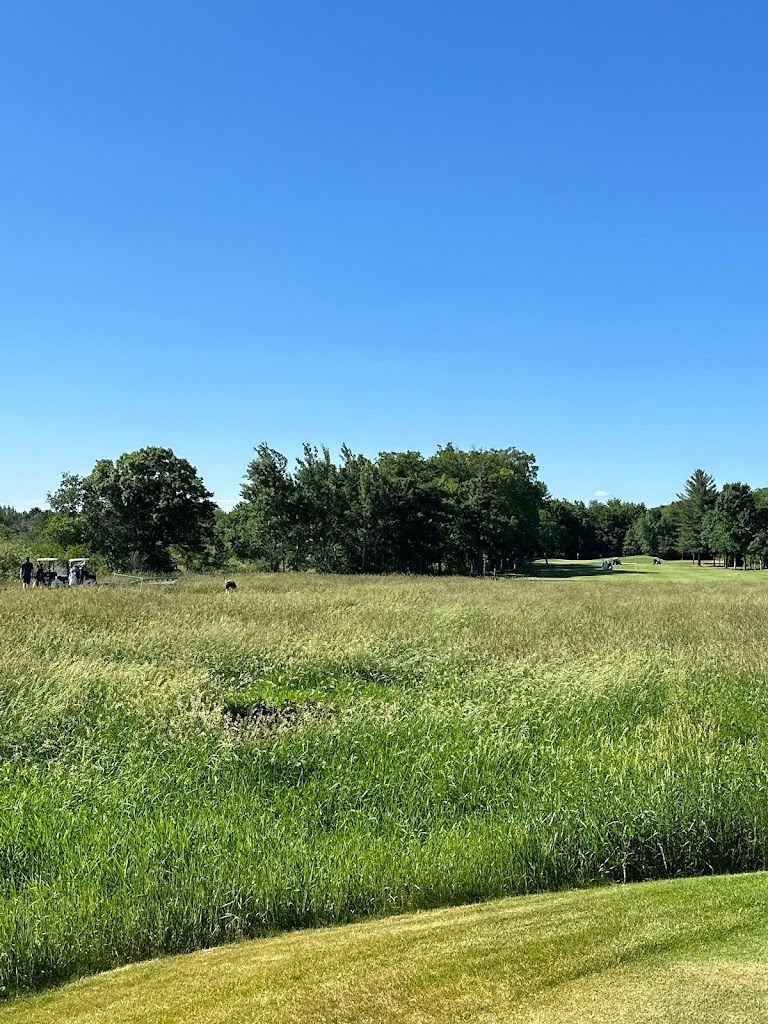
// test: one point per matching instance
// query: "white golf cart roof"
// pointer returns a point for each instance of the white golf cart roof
(70, 561)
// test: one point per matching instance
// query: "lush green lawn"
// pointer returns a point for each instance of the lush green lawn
(416, 743)
(688, 951)
(642, 568)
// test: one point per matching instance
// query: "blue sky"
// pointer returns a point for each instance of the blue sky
(391, 225)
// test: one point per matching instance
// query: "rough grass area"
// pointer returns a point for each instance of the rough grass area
(180, 767)
(688, 951)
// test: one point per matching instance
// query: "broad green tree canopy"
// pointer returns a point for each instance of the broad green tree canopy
(137, 508)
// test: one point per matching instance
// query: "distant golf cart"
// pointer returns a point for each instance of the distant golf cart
(63, 572)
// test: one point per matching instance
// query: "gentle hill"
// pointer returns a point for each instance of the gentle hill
(678, 951)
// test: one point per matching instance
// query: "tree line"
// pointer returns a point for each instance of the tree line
(730, 525)
(457, 511)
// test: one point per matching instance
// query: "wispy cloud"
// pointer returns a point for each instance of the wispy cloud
(227, 503)
(602, 494)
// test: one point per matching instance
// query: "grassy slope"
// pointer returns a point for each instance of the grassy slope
(481, 739)
(681, 951)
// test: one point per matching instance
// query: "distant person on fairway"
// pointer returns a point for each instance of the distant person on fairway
(40, 576)
(25, 572)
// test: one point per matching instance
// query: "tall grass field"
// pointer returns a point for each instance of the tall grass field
(181, 767)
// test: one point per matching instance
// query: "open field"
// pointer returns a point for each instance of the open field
(181, 767)
(682, 952)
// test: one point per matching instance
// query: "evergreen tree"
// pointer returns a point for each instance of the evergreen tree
(697, 499)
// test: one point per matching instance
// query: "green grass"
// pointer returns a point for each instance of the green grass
(685, 951)
(446, 741)
(642, 568)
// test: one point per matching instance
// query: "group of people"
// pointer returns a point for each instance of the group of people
(40, 577)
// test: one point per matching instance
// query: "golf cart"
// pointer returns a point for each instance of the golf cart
(55, 572)
(62, 572)
(82, 576)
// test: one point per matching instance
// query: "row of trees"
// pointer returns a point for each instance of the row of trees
(456, 511)
(453, 512)
(730, 524)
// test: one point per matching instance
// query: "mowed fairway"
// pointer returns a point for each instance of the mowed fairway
(414, 743)
(682, 952)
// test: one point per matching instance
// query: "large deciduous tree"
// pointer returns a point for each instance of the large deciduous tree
(654, 532)
(264, 525)
(319, 511)
(138, 507)
(410, 511)
(732, 524)
(611, 520)
(492, 502)
(553, 535)
(66, 526)
(361, 501)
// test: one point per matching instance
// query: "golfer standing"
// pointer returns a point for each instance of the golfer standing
(25, 572)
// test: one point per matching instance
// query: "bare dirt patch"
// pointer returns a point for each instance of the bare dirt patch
(262, 716)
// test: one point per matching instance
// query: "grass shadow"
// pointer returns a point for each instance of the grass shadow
(571, 570)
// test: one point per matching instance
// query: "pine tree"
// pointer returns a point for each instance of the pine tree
(695, 501)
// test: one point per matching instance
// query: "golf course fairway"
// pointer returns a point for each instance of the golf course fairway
(688, 950)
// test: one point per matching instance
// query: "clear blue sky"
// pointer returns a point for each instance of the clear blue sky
(392, 225)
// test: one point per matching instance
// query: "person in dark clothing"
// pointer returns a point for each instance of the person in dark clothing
(40, 576)
(25, 573)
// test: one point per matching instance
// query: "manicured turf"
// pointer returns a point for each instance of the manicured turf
(180, 767)
(693, 951)
(642, 569)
